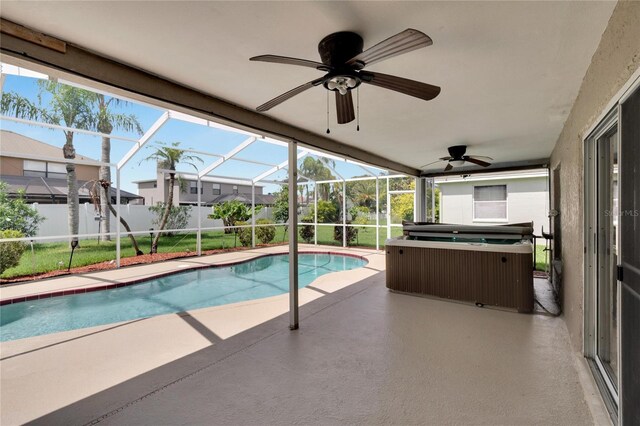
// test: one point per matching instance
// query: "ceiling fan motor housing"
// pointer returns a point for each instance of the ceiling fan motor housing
(457, 151)
(337, 48)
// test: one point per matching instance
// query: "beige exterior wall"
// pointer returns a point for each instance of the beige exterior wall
(84, 172)
(613, 63)
(15, 167)
(527, 200)
(11, 166)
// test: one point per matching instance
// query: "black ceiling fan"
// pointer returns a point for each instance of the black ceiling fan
(457, 158)
(343, 60)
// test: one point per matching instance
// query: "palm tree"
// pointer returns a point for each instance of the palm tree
(68, 106)
(168, 157)
(106, 121)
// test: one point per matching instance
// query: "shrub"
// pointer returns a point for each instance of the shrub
(359, 214)
(16, 214)
(327, 212)
(265, 234)
(232, 212)
(10, 252)
(178, 217)
(244, 234)
(307, 232)
(352, 233)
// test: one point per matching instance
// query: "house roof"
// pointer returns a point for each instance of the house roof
(265, 199)
(13, 144)
(205, 179)
(50, 187)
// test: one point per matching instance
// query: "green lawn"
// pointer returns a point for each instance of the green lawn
(51, 256)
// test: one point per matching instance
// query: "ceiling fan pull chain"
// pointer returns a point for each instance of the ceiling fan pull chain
(328, 131)
(358, 109)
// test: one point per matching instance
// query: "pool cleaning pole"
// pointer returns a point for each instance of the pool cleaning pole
(293, 236)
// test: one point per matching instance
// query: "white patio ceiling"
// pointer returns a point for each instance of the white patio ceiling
(509, 71)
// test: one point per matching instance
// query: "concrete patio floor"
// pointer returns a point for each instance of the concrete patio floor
(362, 355)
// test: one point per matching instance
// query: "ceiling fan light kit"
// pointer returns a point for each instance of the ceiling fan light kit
(343, 60)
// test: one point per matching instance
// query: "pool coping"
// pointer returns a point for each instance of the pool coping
(101, 287)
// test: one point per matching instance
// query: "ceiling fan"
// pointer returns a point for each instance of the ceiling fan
(343, 60)
(457, 158)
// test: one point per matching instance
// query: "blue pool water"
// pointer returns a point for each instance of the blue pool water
(254, 279)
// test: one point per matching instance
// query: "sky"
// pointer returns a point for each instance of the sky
(190, 135)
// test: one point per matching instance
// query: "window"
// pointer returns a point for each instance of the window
(235, 189)
(193, 187)
(216, 189)
(44, 169)
(490, 202)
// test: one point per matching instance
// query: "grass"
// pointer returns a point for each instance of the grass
(48, 257)
(541, 255)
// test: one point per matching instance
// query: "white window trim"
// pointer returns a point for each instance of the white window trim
(489, 220)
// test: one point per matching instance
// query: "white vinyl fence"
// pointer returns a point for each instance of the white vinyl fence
(138, 217)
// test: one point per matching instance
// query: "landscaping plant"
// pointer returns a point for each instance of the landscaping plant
(17, 215)
(168, 157)
(265, 234)
(10, 251)
(178, 216)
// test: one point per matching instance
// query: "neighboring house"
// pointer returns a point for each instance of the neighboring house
(45, 182)
(213, 191)
(496, 198)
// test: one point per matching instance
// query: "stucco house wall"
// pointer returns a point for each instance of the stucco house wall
(527, 200)
(614, 62)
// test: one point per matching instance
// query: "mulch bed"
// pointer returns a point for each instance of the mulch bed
(127, 261)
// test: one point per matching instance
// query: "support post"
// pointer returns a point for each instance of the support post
(253, 215)
(420, 201)
(293, 236)
(315, 213)
(377, 214)
(199, 234)
(117, 217)
(388, 211)
(344, 213)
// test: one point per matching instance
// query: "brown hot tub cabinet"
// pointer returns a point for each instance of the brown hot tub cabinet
(461, 269)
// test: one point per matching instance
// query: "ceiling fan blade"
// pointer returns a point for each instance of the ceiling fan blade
(434, 162)
(290, 94)
(480, 157)
(476, 161)
(449, 167)
(403, 42)
(291, 61)
(403, 85)
(344, 108)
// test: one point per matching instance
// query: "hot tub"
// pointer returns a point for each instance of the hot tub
(488, 265)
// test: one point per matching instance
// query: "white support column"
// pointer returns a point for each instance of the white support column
(388, 211)
(419, 201)
(199, 234)
(344, 213)
(117, 217)
(253, 215)
(293, 236)
(315, 213)
(377, 214)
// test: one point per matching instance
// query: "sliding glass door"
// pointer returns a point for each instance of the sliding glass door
(607, 258)
(602, 240)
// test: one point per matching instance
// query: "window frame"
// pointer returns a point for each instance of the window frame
(506, 202)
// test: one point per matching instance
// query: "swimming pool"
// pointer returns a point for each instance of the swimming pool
(183, 291)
